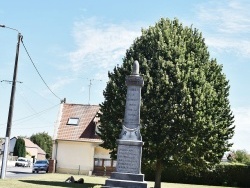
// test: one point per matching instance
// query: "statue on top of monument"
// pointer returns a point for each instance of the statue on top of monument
(135, 68)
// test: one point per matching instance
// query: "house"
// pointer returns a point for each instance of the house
(76, 147)
(12, 143)
(1, 142)
(32, 150)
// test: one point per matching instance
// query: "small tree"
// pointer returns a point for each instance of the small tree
(241, 156)
(19, 149)
(44, 141)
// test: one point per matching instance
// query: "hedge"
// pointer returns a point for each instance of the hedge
(222, 175)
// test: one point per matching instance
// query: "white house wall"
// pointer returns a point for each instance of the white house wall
(54, 150)
(31, 152)
(101, 153)
(74, 157)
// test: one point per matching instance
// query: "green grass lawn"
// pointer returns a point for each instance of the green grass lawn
(57, 181)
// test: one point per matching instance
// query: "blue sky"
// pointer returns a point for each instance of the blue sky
(73, 43)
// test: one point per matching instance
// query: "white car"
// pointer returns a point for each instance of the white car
(21, 161)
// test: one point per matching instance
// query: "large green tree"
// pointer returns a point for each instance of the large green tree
(44, 141)
(20, 149)
(186, 118)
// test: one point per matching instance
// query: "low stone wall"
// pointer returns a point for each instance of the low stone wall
(9, 163)
(73, 171)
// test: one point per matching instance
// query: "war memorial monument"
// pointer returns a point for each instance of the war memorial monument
(128, 168)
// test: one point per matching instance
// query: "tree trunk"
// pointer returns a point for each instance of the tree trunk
(158, 172)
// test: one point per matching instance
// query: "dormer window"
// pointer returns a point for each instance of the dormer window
(73, 121)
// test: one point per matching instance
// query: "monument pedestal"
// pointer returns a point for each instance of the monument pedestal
(128, 166)
(126, 180)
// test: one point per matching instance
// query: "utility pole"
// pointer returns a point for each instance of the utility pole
(11, 107)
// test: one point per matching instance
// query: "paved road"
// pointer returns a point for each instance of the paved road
(19, 172)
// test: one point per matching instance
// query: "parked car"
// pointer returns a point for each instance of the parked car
(41, 165)
(21, 161)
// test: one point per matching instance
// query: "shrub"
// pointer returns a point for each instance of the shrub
(19, 149)
(224, 174)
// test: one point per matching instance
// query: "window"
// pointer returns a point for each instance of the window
(73, 121)
(104, 162)
(107, 162)
(98, 162)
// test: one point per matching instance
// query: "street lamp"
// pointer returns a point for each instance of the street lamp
(11, 106)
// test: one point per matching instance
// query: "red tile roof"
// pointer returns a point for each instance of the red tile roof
(85, 130)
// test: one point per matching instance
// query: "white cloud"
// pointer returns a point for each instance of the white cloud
(227, 24)
(239, 47)
(61, 82)
(242, 131)
(100, 46)
(227, 16)
(242, 117)
(58, 84)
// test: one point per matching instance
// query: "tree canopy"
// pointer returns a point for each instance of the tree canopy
(44, 141)
(20, 149)
(186, 118)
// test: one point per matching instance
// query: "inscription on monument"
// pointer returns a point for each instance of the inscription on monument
(132, 113)
(129, 159)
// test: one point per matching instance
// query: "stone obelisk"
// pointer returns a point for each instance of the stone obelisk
(128, 168)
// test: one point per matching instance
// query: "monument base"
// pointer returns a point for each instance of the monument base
(129, 156)
(126, 180)
(128, 169)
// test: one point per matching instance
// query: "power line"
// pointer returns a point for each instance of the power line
(28, 118)
(31, 127)
(9, 82)
(9, 28)
(29, 105)
(39, 73)
(35, 92)
(38, 113)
